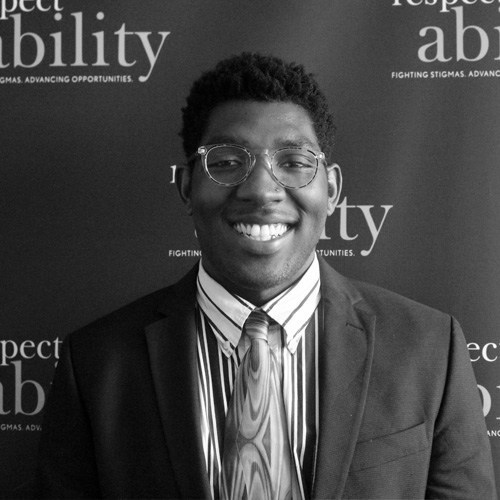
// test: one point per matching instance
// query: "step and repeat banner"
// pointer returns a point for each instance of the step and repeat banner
(90, 219)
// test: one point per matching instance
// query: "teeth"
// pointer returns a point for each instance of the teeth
(265, 232)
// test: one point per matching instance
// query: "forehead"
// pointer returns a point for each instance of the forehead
(260, 125)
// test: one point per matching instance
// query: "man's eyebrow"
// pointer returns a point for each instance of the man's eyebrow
(295, 142)
(225, 139)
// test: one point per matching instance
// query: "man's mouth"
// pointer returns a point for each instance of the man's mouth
(264, 232)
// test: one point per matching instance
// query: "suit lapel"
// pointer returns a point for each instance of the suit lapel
(172, 351)
(345, 356)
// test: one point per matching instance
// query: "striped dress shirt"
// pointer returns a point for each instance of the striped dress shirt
(293, 335)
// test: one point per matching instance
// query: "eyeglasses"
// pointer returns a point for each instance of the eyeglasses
(231, 164)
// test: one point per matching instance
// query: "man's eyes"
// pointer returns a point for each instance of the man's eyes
(282, 160)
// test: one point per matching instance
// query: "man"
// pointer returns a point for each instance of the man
(368, 395)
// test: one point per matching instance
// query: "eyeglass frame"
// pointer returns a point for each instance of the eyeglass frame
(204, 150)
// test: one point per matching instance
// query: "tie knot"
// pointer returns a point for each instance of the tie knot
(257, 324)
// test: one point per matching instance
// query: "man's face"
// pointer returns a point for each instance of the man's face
(256, 266)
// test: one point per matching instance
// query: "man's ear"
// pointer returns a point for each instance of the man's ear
(334, 178)
(183, 182)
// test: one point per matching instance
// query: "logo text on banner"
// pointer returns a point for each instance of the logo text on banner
(30, 49)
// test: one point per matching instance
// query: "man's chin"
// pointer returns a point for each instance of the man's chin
(262, 280)
(246, 272)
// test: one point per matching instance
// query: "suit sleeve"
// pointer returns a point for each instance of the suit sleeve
(461, 465)
(66, 465)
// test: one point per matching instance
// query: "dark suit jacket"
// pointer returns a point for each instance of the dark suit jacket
(400, 412)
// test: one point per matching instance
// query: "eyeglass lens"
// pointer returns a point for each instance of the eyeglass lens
(291, 167)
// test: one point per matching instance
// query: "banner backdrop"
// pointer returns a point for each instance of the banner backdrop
(90, 218)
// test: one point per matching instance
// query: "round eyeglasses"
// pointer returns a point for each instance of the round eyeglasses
(231, 164)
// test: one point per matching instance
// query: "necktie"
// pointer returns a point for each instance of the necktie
(257, 462)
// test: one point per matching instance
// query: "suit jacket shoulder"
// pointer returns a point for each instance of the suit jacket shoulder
(420, 416)
(389, 308)
(123, 328)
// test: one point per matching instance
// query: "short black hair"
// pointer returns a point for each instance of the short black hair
(255, 77)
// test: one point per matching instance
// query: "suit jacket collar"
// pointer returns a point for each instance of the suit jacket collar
(345, 356)
(172, 350)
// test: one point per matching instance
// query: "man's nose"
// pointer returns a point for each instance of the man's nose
(260, 184)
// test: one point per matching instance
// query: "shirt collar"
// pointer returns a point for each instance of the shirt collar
(227, 313)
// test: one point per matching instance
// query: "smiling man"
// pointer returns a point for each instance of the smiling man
(263, 373)
(260, 235)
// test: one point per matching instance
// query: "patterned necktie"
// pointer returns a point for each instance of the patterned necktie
(257, 460)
